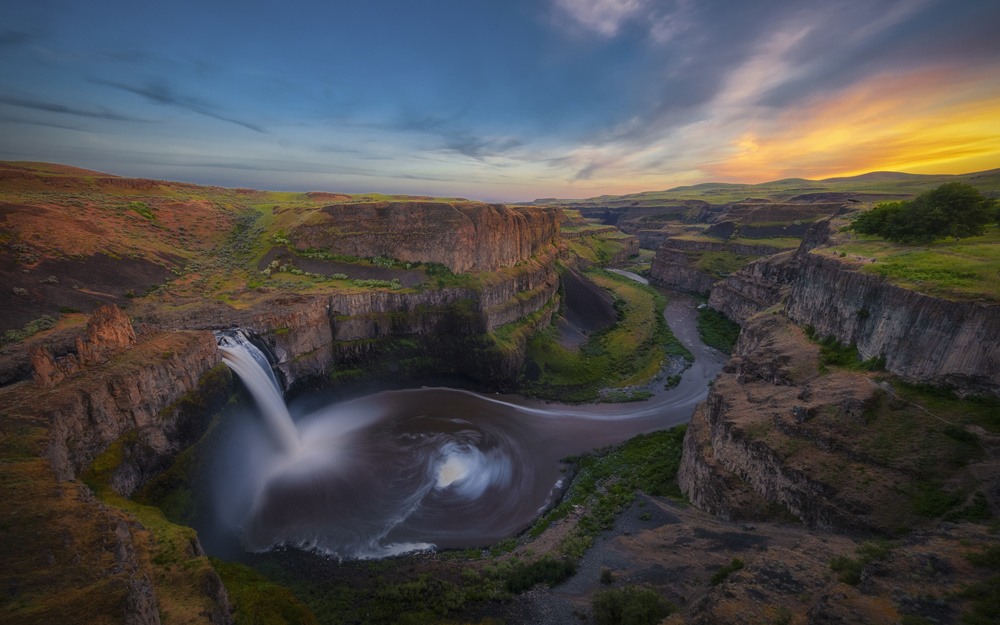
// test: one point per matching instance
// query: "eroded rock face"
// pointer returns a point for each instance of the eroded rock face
(109, 331)
(757, 286)
(129, 393)
(679, 276)
(774, 425)
(923, 338)
(464, 236)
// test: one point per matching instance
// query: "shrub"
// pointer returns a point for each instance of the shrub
(721, 575)
(630, 606)
(547, 570)
(142, 208)
(607, 577)
(32, 327)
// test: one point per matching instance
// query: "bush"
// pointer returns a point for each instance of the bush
(849, 569)
(721, 575)
(607, 577)
(951, 210)
(547, 570)
(630, 606)
(32, 327)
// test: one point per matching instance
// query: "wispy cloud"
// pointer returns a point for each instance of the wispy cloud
(52, 107)
(14, 37)
(603, 17)
(159, 92)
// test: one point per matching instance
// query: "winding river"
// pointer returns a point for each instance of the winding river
(416, 469)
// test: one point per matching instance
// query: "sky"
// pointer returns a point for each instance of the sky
(500, 100)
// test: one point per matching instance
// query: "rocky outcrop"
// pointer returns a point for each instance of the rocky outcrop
(758, 285)
(305, 331)
(129, 394)
(630, 248)
(109, 331)
(708, 484)
(464, 236)
(923, 338)
(772, 424)
(680, 277)
(673, 265)
(587, 232)
(741, 249)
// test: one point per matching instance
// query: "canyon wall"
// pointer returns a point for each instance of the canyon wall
(758, 285)
(923, 338)
(308, 333)
(464, 236)
(775, 434)
(675, 269)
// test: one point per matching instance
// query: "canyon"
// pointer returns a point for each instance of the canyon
(108, 406)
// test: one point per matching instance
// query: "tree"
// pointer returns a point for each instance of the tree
(951, 210)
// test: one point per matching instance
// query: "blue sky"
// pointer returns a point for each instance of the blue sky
(500, 100)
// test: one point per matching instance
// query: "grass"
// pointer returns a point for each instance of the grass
(721, 264)
(850, 570)
(716, 330)
(626, 354)
(258, 601)
(599, 249)
(961, 270)
(781, 190)
(784, 243)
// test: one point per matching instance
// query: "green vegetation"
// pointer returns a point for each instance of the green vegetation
(951, 210)
(721, 264)
(258, 601)
(547, 570)
(985, 595)
(606, 483)
(31, 328)
(599, 249)
(849, 570)
(720, 576)
(630, 606)
(374, 284)
(143, 209)
(779, 190)
(628, 353)
(833, 353)
(717, 330)
(963, 270)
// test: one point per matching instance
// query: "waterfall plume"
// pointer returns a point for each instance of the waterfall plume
(252, 366)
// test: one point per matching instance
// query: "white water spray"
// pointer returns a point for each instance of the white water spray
(252, 366)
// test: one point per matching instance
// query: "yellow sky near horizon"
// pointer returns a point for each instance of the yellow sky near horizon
(930, 122)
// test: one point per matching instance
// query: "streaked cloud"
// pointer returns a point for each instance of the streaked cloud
(504, 100)
(52, 107)
(160, 92)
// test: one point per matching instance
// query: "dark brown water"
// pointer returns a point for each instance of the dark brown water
(406, 470)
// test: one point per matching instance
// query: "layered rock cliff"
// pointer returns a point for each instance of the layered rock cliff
(758, 285)
(923, 338)
(115, 413)
(310, 333)
(822, 446)
(464, 236)
(675, 263)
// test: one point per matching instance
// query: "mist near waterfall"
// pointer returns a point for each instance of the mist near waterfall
(410, 470)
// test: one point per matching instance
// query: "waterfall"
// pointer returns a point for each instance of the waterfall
(252, 366)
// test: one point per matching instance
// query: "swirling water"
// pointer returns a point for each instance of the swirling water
(417, 469)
